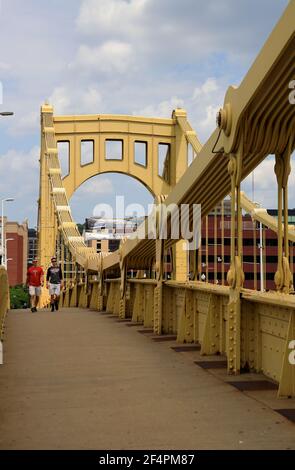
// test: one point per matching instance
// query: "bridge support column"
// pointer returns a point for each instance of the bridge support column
(283, 276)
(123, 287)
(181, 149)
(188, 331)
(74, 286)
(101, 287)
(235, 276)
(211, 337)
(47, 227)
(158, 292)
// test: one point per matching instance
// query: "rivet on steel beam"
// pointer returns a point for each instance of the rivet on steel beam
(224, 119)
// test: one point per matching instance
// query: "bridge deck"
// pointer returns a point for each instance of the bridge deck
(79, 380)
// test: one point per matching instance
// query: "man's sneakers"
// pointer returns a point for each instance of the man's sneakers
(54, 306)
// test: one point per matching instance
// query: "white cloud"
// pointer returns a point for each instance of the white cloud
(99, 185)
(174, 29)
(163, 109)
(265, 184)
(209, 122)
(60, 99)
(110, 57)
(19, 163)
(206, 100)
(67, 100)
(92, 98)
(20, 171)
(25, 124)
(110, 15)
(207, 88)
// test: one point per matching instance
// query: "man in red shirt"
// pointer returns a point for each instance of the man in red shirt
(35, 279)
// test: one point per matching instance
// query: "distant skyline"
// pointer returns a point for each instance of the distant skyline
(143, 57)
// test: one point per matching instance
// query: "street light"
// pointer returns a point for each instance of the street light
(6, 113)
(5, 249)
(9, 199)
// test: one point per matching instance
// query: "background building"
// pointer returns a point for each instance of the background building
(17, 251)
(105, 235)
(216, 261)
(32, 245)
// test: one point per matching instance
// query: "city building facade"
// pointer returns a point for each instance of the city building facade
(260, 250)
(16, 240)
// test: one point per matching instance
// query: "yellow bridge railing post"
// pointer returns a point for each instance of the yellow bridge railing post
(235, 276)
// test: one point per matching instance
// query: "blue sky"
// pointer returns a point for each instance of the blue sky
(116, 56)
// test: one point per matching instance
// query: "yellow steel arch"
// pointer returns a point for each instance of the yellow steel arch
(127, 130)
(117, 172)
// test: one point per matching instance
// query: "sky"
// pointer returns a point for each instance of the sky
(143, 57)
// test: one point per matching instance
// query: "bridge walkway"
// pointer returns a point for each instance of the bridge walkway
(78, 379)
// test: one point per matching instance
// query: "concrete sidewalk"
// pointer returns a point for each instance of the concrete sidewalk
(79, 380)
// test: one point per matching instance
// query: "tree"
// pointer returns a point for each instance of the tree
(19, 297)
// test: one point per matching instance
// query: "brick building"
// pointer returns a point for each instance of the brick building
(17, 251)
(212, 262)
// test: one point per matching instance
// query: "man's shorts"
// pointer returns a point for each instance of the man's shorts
(35, 291)
(54, 289)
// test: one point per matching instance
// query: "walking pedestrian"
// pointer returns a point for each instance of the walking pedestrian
(35, 282)
(54, 283)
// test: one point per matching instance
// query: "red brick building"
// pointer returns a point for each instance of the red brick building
(17, 251)
(216, 257)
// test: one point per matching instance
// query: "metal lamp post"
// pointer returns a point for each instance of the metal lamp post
(5, 249)
(4, 114)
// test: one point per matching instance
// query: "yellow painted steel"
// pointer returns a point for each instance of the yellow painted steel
(252, 329)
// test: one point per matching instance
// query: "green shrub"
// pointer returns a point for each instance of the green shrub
(19, 297)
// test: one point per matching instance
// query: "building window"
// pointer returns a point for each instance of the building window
(114, 245)
(63, 149)
(140, 153)
(87, 152)
(114, 149)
